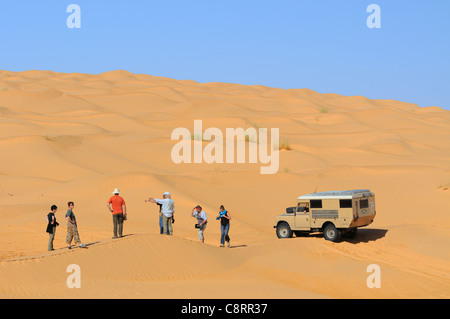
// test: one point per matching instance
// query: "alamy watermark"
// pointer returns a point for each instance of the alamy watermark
(74, 19)
(374, 279)
(74, 279)
(213, 152)
(374, 19)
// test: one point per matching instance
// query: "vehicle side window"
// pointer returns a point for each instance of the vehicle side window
(301, 207)
(316, 203)
(345, 203)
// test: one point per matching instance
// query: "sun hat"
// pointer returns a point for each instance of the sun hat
(167, 193)
(116, 191)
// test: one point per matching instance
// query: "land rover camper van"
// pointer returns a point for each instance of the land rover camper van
(335, 213)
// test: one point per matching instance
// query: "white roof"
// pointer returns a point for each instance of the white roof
(337, 194)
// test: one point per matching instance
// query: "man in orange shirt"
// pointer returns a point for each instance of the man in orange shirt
(119, 211)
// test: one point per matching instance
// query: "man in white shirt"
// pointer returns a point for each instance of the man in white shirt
(167, 210)
(198, 213)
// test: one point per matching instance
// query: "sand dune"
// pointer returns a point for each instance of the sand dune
(78, 136)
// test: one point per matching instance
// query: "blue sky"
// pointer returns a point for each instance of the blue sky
(323, 45)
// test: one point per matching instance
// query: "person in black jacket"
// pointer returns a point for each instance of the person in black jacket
(51, 227)
(224, 217)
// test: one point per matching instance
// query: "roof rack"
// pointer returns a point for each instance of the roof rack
(338, 194)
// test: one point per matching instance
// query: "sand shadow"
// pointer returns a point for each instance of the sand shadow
(237, 246)
(86, 245)
(123, 236)
(108, 240)
(366, 235)
(362, 236)
(127, 235)
(91, 243)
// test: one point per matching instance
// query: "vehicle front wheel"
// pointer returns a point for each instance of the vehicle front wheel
(283, 230)
(331, 233)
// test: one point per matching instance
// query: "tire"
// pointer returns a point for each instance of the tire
(283, 230)
(331, 233)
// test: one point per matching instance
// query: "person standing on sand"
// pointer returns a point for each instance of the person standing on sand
(119, 212)
(197, 212)
(72, 229)
(161, 227)
(51, 226)
(167, 210)
(225, 218)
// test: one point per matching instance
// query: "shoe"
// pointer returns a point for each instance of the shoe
(114, 237)
(82, 246)
(69, 247)
(221, 245)
(228, 244)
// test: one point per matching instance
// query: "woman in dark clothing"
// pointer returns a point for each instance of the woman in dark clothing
(51, 227)
(225, 218)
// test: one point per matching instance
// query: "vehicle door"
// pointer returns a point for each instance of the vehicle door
(302, 217)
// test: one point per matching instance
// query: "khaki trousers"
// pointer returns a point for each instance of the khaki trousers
(167, 225)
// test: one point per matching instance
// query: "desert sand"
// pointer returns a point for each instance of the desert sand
(75, 137)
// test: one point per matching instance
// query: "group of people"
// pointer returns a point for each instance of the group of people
(202, 220)
(72, 228)
(167, 218)
(116, 205)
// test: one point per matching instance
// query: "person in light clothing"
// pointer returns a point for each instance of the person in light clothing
(167, 211)
(202, 220)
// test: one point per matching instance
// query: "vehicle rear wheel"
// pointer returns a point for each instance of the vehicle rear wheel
(283, 230)
(331, 233)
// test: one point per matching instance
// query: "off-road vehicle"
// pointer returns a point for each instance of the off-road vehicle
(335, 213)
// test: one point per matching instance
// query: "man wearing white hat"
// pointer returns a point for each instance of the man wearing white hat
(118, 210)
(167, 210)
